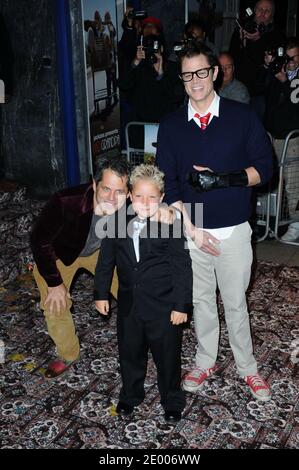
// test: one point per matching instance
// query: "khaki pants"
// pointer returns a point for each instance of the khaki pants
(61, 326)
(231, 271)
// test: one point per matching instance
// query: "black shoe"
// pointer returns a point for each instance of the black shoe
(124, 409)
(172, 416)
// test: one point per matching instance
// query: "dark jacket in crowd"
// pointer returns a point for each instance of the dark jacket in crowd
(149, 94)
(248, 60)
(282, 106)
(127, 48)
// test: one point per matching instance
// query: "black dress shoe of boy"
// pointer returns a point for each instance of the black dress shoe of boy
(124, 409)
(172, 416)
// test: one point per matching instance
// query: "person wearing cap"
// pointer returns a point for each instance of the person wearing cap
(151, 25)
(145, 83)
(126, 53)
(133, 28)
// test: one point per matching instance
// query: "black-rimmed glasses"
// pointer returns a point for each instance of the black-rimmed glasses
(201, 73)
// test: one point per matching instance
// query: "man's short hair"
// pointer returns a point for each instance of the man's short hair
(195, 23)
(194, 48)
(148, 172)
(118, 165)
(226, 54)
(292, 43)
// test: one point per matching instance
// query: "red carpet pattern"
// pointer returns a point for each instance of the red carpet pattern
(78, 409)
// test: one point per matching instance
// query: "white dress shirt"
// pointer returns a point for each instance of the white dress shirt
(225, 232)
(138, 226)
(213, 109)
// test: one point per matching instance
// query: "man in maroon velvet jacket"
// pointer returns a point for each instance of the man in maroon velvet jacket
(64, 240)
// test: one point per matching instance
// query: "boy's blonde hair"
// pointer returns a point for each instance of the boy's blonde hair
(147, 172)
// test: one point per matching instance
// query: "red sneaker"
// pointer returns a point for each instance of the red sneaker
(258, 387)
(194, 379)
(58, 367)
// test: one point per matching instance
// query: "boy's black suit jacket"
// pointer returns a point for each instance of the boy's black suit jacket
(162, 279)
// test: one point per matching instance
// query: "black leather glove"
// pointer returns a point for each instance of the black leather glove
(207, 180)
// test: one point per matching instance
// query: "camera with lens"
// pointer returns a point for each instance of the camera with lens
(180, 45)
(137, 14)
(250, 25)
(280, 58)
(151, 45)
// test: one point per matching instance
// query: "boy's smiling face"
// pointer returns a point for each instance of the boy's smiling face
(145, 197)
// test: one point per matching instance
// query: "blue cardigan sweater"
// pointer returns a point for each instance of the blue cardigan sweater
(233, 141)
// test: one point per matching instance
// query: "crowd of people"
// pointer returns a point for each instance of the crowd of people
(260, 68)
(163, 261)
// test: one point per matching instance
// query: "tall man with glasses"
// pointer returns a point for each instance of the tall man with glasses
(212, 152)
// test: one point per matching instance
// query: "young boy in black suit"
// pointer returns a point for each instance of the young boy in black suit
(154, 297)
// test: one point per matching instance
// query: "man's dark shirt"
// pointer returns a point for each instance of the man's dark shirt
(248, 60)
(282, 106)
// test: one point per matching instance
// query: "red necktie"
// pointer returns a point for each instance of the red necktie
(204, 120)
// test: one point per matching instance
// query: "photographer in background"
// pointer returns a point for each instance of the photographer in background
(282, 116)
(145, 83)
(141, 81)
(135, 24)
(248, 45)
(196, 30)
(132, 27)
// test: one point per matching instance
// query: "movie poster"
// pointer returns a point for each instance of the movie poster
(100, 38)
(150, 142)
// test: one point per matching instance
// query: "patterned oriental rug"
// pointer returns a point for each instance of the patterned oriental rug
(78, 409)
